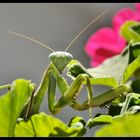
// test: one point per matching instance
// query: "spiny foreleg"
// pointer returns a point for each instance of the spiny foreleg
(73, 91)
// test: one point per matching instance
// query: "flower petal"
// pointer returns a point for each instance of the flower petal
(105, 38)
(137, 5)
(107, 42)
(123, 15)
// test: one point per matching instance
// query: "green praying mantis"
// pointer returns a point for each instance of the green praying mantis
(52, 77)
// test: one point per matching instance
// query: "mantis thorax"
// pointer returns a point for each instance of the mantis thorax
(60, 59)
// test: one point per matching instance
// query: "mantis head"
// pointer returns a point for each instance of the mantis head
(60, 59)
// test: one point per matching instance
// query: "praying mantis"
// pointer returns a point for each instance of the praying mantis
(52, 77)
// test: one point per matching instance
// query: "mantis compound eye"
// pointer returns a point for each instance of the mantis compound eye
(60, 59)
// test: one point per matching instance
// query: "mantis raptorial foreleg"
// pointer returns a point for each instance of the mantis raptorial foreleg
(50, 79)
(73, 91)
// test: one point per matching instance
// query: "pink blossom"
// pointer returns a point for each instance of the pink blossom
(123, 15)
(103, 44)
(107, 42)
(137, 5)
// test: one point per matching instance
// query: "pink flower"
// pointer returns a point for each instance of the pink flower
(103, 44)
(137, 5)
(107, 42)
(123, 15)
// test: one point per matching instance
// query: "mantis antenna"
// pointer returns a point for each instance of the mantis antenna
(86, 28)
(29, 38)
(38, 42)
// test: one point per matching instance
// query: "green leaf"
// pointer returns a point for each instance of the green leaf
(102, 119)
(134, 50)
(24, 129)
(112, 68)
(101, 78)
(98, 78)
(121, 126)
(43, 125)
(134, 53)
(136, 28)
(11, 105)
(131, 68)
(130, 30)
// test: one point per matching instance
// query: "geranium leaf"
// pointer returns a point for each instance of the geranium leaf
(121, 126)
(130, 30)
(43, 125)
(24, 129)
(134, 50)
(131, 68)
(11, 105)
(97, 77)
(102, 119)
(113, 67)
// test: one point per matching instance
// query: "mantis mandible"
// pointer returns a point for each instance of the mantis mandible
(52, 77)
